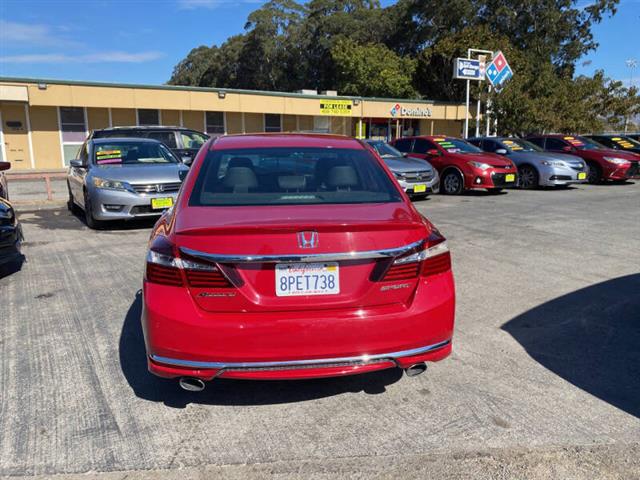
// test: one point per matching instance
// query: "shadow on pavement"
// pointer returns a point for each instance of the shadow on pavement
(133, 362)
(61, 218)
(591, 338)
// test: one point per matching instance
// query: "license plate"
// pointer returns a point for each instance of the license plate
(160, 203)
(294, 279)
(510, 177)
(582, 176)
(419, 188)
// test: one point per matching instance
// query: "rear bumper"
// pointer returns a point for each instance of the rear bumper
(298, 369)
(183, 340)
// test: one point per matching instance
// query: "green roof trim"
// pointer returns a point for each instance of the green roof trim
(215, 90)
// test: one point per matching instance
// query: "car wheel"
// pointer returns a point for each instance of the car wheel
(452, 183)
(88, 214)
(528, 177)
(595, 174)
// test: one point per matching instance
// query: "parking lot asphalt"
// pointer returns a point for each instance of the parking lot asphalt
(544, 381)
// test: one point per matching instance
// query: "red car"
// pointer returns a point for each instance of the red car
(604, 163)
(461, 166)
(293, 256)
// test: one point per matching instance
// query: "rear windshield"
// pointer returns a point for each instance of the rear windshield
(291, 176)
(132, 153)
(456, 145)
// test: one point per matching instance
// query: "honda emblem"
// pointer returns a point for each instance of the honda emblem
(160, 188)
(307, 239)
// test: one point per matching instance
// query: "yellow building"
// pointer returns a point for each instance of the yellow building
(44, 122)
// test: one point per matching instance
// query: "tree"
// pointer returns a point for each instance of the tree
(372, 70)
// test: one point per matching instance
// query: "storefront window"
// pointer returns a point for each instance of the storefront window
(148, 116)
(215, 123)
(322, 124)
(272, 122)
(73, 131)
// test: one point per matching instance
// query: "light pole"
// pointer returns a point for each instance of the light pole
(632, 63)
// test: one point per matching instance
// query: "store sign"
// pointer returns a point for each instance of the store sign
(468, 69)
(399, 111)
(336, 107)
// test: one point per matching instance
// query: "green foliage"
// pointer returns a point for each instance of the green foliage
(407, 50)
(372, 70)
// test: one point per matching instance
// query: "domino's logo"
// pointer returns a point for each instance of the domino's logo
(395, 110)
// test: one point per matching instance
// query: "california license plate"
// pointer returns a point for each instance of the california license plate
(161, 203)
(510, 177)
(582, 176)
(419, 188)
(307, 279)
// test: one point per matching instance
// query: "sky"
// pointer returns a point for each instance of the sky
(140, 41)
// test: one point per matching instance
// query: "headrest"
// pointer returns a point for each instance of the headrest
(342, 176)
(240, 177)
(292, 182)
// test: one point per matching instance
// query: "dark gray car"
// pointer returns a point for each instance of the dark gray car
(417, 177)
(123, 178)
(536, 168)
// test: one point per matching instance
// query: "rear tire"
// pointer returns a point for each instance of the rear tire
(528, 177)
(91, 222)
(595, 174)
(452, 183)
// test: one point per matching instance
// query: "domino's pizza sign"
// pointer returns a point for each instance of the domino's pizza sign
(499, 71)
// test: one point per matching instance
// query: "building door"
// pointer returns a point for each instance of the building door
(15, 135)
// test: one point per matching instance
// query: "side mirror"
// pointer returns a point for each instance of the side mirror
(433, 152)
(77, 164)
(182, 174)
(567, 148)
(5, 166)
(405, 154)
(187, 160)
(501, 151)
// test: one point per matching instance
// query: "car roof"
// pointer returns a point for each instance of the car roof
(273, 140)
(143, 127)
(98, 141)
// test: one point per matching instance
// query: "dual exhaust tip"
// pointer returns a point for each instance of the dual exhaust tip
(193, 384)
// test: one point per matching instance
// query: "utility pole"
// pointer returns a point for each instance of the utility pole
(632, 63)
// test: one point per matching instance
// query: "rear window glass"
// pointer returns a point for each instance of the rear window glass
(291, 176)
(132, 153)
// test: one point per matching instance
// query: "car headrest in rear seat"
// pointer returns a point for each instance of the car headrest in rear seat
(342, 176)
(240, 162)
(240, 179)
(292, 182)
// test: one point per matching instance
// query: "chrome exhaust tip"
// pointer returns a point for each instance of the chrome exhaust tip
(415, 370)
(191, 384)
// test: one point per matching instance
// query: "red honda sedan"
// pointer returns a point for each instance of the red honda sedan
(292, 256)
(461, 166)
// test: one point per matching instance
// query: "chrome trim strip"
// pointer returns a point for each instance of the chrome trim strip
(290, 363)
(306, 257)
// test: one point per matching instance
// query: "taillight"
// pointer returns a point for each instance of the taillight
(433, 258)
(165, 267)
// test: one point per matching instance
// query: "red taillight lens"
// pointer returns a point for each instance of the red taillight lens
(438, 264)
(165, 267)
(401, 272)
(433, 258)
(207, 279)
(163, 275)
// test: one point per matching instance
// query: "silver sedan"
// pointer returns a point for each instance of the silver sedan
(536, 168)
(417, 177)
(123, 178)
